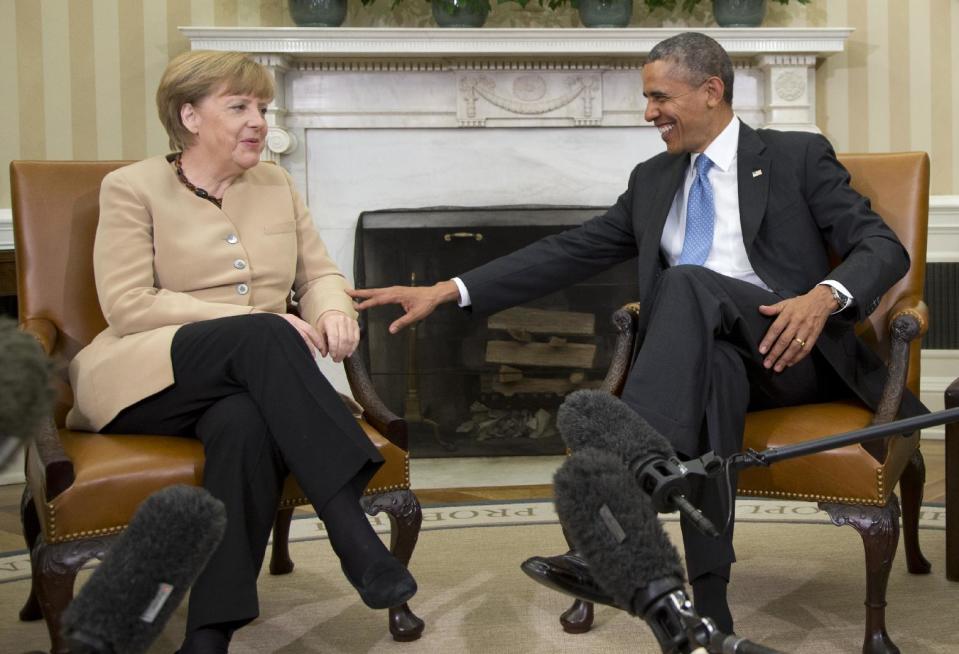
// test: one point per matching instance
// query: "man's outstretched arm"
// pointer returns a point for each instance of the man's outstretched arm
(417, 301)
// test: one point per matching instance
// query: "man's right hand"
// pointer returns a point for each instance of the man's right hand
(417, 301)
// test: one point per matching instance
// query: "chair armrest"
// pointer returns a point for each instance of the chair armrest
(625, 320)
(375, 412)
(53, 464)
(909, 319)
(43, 330)
(914, 307)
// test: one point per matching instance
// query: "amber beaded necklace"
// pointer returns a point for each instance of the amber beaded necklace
(199, 192)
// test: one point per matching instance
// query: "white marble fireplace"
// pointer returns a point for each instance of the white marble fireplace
(385, 118)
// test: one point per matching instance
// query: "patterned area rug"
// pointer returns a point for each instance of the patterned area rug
(799, 587)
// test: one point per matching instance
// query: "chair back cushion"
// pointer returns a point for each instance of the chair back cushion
(897, 185)
(56, 206)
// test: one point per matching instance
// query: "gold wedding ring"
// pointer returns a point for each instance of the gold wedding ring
(801, 342)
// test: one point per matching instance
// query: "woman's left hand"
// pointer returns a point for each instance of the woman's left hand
(339, 335)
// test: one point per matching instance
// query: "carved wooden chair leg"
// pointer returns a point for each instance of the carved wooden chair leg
(55, 570)
(280, 561)
(578, 618)
(879, 528)
(406, 516)
(911, 487)
(31, 531)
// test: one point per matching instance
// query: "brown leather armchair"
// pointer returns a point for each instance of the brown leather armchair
(82, 488)
(853, 484)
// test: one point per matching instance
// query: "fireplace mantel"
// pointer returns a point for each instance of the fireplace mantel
(517, 77)
(306, 42)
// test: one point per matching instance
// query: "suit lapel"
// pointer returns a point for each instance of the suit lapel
(654, 215)
(753, 177)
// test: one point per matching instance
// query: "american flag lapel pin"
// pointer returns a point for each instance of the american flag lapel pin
(757, 173)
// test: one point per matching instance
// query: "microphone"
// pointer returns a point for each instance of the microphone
(613, 526)
(143, 577)
(597, 419)
(25, 392)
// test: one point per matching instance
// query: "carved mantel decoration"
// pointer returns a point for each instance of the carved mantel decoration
(506, 77)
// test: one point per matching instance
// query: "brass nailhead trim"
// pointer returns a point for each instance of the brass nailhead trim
(810, 497)
(51, 513)
(815, 497)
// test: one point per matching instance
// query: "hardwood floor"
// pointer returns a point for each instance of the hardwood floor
(11, 539)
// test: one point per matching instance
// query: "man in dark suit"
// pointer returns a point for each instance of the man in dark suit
(742, 307)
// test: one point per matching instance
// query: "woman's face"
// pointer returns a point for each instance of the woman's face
(229, 129)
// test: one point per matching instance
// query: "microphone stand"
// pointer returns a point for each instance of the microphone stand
(751, 458)
(702, 632)
(666, 480)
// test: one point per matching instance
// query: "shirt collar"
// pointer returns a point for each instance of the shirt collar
(722, 150)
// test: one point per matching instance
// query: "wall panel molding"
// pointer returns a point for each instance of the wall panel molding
(943, 229)
(939, 369)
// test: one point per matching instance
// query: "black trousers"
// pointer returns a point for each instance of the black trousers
(249, 389)
(698, 372)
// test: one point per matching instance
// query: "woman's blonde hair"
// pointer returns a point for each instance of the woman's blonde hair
(195, 74)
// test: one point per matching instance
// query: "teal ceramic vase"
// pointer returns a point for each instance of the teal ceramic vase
(605, 13)
(739, 13)
(318, 13)
(459, 13)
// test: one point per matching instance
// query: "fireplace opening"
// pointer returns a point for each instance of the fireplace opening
(482, 385)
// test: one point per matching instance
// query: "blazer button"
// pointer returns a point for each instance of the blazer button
(232, 239)
(242, 289)
(239, 264)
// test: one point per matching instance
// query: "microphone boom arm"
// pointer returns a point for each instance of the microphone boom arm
(751, 458)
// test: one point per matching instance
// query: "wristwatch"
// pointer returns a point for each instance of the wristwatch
(841, 298)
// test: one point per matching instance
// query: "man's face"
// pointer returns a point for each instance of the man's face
(679, 107)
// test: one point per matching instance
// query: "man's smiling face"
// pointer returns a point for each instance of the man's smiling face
(680, 108)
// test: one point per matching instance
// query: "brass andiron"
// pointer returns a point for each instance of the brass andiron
(412, 409)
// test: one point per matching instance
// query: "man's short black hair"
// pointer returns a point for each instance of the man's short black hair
(701, 56)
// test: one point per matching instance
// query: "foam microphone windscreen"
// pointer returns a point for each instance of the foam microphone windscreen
(25, 391)
(143, 577)
(597, 419)
(613, 526)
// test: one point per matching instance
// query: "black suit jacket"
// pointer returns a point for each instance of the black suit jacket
(794, 212)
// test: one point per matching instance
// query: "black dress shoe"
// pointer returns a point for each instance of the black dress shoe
(568, 573)
(385, 584)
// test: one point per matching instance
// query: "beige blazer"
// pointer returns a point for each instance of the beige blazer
(164, 257)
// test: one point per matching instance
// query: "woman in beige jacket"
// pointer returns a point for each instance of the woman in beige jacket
(195, 259)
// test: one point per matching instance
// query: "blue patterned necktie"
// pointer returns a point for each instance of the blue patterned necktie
(700, 216)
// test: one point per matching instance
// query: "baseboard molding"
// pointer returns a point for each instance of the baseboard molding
(6, 228)
(939, 369)
(12, 473)
(943, 229)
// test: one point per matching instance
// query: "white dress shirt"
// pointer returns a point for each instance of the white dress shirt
(728, 253)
